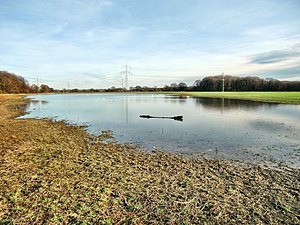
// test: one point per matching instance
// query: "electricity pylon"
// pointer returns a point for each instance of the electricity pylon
(126, 72)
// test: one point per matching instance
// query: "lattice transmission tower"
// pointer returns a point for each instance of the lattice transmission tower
(126, 71)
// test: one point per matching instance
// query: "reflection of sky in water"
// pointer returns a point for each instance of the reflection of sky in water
(224, 128)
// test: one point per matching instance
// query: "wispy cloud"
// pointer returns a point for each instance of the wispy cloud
(276, 56)
(290, 73)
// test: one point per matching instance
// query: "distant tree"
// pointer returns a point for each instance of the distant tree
(138, 88)
(196, 85)
(182, 86)
(45, 88)
(166, 88)
(174, 87)
(207, 84)
(272, 84)
(250, 83)
(34, 88)
(12, 83)
(292, 85)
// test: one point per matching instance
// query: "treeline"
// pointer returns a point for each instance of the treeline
(11, 83)
(234, 83)
(112, 89)
(14, 84)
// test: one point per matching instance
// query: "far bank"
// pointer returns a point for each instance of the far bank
(272, 97)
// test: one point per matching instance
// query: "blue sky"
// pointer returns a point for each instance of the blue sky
(86, 42)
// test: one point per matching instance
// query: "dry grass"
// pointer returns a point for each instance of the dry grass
(52, 173)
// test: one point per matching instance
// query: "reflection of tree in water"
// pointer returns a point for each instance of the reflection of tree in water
(125, 108)
(38, 102)
(176, 99)
(229, 104)
(182, 99)
(35, 104)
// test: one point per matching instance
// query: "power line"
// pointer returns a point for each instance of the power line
(126, 71)
(160, 76)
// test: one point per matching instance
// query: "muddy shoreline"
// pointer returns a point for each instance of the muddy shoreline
(53, 173)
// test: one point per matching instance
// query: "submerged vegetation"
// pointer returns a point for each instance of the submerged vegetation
(54, 173)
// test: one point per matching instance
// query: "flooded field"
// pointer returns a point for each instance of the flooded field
(227, 129)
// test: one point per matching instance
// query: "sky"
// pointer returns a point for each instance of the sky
(86, 43)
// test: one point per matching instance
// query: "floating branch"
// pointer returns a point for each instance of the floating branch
(179, 118)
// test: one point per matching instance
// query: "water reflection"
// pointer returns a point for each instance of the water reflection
(229, 104)
(125, 108)
(245, 130)
(38, 102)
(35, 104)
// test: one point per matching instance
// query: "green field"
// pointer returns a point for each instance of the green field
(275, 97)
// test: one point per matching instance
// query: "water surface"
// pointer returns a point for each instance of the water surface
(228, 129)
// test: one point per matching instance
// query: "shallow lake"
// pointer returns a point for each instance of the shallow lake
(227, 129)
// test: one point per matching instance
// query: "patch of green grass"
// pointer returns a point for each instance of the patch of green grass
(274, 97)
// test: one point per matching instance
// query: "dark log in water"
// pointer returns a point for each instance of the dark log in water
(179, 118)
